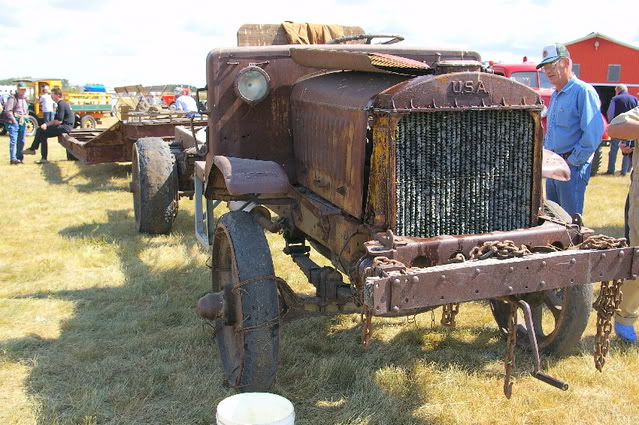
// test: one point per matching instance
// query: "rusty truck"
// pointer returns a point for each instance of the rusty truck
(415, 172)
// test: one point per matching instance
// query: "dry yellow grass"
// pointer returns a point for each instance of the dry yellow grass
(97, 326)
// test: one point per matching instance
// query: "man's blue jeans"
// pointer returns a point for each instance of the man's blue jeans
(626, 162)
(16, 141)
(48, 116)
(612, 155)
(570, 195)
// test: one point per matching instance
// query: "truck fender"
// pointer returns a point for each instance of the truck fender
(554, 167)
(244, 176)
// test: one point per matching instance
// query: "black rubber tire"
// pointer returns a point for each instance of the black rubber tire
(596, 162)
(32, 126)
(570, 320)
(88, 122)
(240, 253)
(154, 186)
(70, 156)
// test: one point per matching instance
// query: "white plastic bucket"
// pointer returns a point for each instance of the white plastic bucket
(255, 409)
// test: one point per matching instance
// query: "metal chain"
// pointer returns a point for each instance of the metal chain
(449, 311)
(498, 249)
(491, 249)
(509, 360)
(602, 242)
(608, 301)
(606, 305)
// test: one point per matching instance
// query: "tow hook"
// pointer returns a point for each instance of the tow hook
(534, 347)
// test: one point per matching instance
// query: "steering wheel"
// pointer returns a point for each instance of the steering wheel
(368, 37)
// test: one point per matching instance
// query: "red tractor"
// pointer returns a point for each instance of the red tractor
(169, 101)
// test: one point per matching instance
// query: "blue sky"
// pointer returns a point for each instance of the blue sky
(118, 42)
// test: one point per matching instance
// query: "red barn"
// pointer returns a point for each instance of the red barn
(605, 62)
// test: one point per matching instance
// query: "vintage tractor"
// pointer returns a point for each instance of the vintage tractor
(418, 175)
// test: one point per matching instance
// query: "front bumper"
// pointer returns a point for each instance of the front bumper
(404, 290)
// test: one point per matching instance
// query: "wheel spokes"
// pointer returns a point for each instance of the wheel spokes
(553, 303)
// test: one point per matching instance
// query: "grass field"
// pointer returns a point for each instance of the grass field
(97, 326)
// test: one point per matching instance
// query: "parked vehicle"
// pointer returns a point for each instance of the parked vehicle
(404, 167)
(168, 100)
(419, 177)
(527, 74)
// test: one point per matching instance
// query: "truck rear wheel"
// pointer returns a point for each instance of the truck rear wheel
(596, 162)
(154, 184)
(88, 121)
(248, 336)
(560, 317)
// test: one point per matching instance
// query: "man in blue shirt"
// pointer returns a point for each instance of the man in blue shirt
(574, 127)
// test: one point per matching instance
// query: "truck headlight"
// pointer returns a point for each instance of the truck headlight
(252, 84)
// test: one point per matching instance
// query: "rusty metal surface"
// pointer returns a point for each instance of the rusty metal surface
(115, 143)
(357, 61)
(327, 226)
(251, 176)
(555, 167)
(476, 280)
(184, 136)
(261, 131)
(329, 125)
(457, 92)
(416, 252)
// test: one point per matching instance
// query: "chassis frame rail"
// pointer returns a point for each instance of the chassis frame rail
(397, 291)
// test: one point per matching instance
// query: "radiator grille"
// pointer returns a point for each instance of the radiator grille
(464, 172)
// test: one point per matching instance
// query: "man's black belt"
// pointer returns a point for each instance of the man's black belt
(565, 155)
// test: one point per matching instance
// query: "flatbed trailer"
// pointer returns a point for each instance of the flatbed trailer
(162, 147)
(115, 144)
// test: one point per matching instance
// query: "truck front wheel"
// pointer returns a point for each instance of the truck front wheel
(560, 317)
(248, 336)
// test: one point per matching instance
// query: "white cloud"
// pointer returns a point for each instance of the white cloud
(152, 42)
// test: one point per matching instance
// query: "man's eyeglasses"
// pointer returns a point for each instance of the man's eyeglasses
(551, 66)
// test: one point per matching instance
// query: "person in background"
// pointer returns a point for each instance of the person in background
(574, 127)
(620, 103)
(186, 103)
(46, 104)
(62, 123)
(16, 111)
(626, 127)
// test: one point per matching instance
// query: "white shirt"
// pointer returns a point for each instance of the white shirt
(47, 103)
(186, 104)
